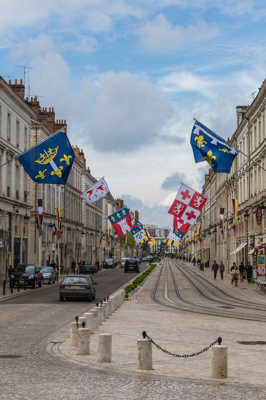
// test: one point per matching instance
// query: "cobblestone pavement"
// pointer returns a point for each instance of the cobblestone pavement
(27, 329)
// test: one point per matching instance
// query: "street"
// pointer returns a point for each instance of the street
(34, 320)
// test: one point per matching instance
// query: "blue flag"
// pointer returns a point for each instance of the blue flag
(118, 215)
(207, 146)
(49, 161)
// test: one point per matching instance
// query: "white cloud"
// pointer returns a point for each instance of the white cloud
(187, 82)
(128, 113)
(160, 35)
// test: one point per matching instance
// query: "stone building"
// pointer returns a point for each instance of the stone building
(224, 240)
(15, 125)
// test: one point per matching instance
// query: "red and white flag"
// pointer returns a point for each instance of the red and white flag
(96, 192)
(186, 207)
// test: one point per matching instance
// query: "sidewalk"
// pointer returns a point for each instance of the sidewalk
(179, 332)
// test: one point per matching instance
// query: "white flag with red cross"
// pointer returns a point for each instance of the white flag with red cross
(186, 207)
(96, 192)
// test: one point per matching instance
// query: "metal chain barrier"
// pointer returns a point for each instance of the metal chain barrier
(218, 340)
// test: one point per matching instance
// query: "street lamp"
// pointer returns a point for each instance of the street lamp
(246, 214)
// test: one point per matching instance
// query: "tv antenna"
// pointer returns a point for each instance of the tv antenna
(26, 69)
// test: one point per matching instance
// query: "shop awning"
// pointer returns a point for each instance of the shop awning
(240, 247)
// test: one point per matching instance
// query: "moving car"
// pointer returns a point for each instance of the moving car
(86, 267)
(48, 274)
(131, 264)
(27, 276)
(77, 286)
(109, 263)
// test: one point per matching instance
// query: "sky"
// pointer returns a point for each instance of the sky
(129, 76)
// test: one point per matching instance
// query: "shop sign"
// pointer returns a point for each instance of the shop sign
(258, 215)
(261, 260)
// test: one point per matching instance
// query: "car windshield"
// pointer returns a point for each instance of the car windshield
(109, 261)
(29, 268)
(46, 269)
(75, 280)
(20, 268)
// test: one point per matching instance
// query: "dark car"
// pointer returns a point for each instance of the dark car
(109, 263)
(131, 264)
(78, 287)
(27, 276)
(86, 267)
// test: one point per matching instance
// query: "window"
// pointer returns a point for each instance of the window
(25, 138)
(17, 133)
(8, 127)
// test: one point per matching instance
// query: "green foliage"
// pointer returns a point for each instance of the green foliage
(138, 280)
(127, 241)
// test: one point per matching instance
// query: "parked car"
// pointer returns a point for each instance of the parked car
(27, 276)
(48, 274)
(131, 264)
(109, 263)
(86, 267)
(77, 286)
(147, 258)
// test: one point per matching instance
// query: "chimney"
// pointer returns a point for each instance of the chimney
(18, 88)
(240, 113)
(60, 125)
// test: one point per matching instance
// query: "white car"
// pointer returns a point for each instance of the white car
(123, 261)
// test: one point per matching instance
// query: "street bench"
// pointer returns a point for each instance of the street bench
(261, 283)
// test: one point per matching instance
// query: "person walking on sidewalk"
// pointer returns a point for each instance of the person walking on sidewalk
(234, 274)
(215, 268)
(221, 268)
(241, 271)
(249, 272)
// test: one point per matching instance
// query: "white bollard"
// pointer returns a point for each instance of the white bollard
(82, 319)
(219, 362)
(100, 314)
(91, 322)
(95, 316)
(74, 334)
(108, 308)
(84, 342)
(105, 348)
(144, 354)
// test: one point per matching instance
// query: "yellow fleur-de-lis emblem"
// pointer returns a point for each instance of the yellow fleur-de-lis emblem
(66, 159)
(41, 174)
(58, 172)
(118, 215)
(200, 141)
(224, 149)
(209, 158)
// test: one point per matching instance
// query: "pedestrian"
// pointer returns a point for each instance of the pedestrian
(234, 274)
(221, 268)
(11, 277)
(73, 267)
(215, 268)
(249, 270)
(241, 271)
(194, 261)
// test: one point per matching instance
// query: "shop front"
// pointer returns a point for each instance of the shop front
(259, 261)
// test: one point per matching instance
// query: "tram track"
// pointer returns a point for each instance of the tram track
(166, 279)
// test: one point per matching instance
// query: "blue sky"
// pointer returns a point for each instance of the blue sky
(130, 76)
